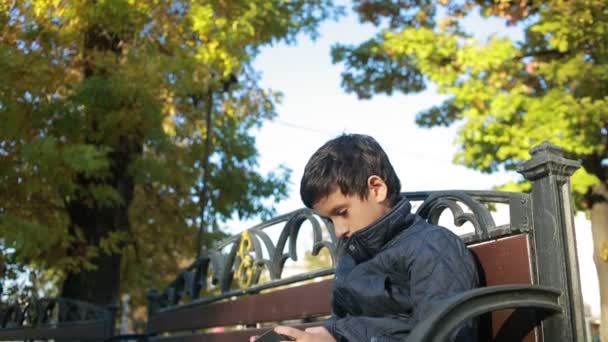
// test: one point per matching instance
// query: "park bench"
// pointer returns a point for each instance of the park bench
(528, 265)
(251, 281)
(59, 319)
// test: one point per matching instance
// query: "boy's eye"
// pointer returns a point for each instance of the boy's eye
(343, 212)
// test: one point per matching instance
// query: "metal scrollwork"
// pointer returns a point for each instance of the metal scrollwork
(246, 269)
(235, 266)
(480, 217)
(478, 213)
(49, 311)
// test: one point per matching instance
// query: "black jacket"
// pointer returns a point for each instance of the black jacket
(392, 273)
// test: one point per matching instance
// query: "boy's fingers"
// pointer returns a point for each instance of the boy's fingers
(252, 338)
(289, 331)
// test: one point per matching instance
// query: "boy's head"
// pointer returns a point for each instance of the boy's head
(351, 181)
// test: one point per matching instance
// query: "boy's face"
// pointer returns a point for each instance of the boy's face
(350, 213)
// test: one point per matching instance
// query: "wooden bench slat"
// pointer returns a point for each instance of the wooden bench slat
(506, 261)
(501, 260)
(78, 331)
(309, 300)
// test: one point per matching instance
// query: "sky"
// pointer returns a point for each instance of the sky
(315, 109)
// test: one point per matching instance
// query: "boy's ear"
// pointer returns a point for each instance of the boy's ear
(378, 191)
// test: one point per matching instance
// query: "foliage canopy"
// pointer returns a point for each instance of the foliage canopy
(104, 108)
(505, 96)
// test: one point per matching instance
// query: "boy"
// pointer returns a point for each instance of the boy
(393, 267)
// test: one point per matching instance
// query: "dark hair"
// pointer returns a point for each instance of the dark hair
(346, 162)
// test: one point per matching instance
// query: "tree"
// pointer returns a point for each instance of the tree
(103, 109)
(505, 96)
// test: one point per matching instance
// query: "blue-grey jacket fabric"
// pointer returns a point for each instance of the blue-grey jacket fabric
(392, 273)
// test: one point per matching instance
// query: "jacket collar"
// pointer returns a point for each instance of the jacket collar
(364, 244)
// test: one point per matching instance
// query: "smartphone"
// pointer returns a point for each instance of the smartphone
(272, 336)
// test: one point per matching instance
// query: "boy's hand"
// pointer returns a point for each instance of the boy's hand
(316, 334)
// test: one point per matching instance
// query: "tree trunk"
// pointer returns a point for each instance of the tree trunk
(599, 228)
(204, 193)
(101, 285)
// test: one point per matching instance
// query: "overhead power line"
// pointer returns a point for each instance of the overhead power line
(332, 134)
(305, 128)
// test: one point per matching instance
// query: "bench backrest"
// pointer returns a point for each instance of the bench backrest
(501, 261)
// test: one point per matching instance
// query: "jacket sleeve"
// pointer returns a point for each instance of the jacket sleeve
(369, 329)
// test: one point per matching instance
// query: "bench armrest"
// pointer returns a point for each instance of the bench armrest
(444, 319)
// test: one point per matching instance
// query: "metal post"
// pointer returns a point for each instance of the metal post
(554, 241)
